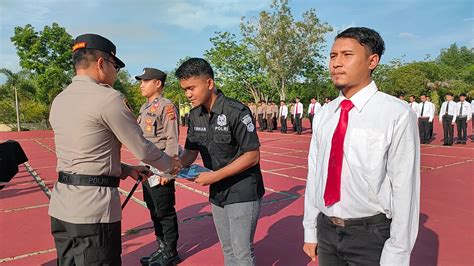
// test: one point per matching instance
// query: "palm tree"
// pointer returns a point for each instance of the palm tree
(15, 81)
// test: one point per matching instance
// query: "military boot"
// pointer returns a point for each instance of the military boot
(168, 257)
(161, 247)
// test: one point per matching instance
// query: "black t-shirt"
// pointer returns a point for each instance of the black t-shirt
(222, 136)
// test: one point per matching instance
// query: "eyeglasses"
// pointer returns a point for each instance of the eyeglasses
(117, 67)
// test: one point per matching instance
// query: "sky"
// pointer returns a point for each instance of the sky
(158, 33)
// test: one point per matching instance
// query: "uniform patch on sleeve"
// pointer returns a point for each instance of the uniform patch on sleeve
(170, 113)
(247, 120)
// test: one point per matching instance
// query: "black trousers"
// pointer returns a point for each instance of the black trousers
(424, 129)
(431, 130)
(311, 117)
(261, 122)
(298, 125)
(275, 123)
(160, 201)
(283, 124)
(448, 129)
(354, 245)
(87, 244)
(461, 123)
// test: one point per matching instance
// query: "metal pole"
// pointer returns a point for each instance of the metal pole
(17, 110)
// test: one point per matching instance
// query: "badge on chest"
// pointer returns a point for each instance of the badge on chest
(221, 123)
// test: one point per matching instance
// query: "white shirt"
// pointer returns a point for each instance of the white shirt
(283, 111)
(414, 106)
(472, 106)
(317, 107)
(298, 109)
(433, 107)
(380, 169)
(428, 110)
(466, 109)
(452, 110)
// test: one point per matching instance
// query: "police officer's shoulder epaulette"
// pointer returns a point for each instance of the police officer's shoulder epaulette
(235, 104)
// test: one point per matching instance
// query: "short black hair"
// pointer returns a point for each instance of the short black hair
(424, 94)
(82, 58)
(413, 96)
(462, 94)
(194, 67)
(368, 38)
(449, 93)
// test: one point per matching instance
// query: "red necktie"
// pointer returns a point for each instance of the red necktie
(312, 109)
(332, 193)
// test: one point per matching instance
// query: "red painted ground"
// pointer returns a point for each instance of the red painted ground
(446, 234)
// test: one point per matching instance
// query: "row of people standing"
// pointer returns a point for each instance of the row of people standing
(450, 113)
(268, 114)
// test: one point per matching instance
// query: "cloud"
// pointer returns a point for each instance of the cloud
(468, 19)
(407, 35)
(197, 15)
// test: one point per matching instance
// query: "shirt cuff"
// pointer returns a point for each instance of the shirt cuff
(310, 235)
(389, 258)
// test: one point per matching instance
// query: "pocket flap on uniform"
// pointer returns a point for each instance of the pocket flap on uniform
(222, 138)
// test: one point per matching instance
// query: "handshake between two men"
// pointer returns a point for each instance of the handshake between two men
(180, 166)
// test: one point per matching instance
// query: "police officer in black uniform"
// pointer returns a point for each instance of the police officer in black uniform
(223, 131)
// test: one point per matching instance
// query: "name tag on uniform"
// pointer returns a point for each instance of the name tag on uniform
(201, 129)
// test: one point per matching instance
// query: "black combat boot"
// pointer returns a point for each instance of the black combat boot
(168, 257)
(161, 247)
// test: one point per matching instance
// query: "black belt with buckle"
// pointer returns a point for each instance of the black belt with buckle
(88, 180)
(376, 219)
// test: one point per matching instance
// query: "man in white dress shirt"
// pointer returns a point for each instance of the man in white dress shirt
(363, 186)
(433, 108)
(298, 113)
(425, 117)
(447, 116)
(463, 117)
(313, 109)
(283, 114)
(413, 104)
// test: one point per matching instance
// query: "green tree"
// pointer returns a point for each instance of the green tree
(456, 57)
(130, 89)
(284, 45)
(238, 71)
(47, 55)
(18, 94)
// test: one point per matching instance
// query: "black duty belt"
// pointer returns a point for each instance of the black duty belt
(379, 218)
(88, 180)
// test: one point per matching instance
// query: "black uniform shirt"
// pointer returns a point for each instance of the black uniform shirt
(221, 136)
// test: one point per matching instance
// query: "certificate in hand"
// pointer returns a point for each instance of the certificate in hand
(192, 171)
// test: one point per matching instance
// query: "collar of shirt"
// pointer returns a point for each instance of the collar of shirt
(359, 99)
(218, 107)
(84, 78)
